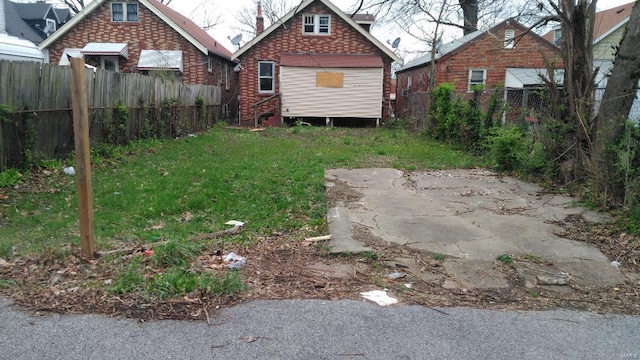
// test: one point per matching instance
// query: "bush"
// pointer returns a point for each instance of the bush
(507, 148)
(9, 178)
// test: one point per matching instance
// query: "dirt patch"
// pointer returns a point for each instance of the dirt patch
(338, 191)
(283, 266)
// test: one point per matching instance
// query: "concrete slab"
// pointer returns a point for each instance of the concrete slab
(468, 214)
(477, 274)
(341, 235)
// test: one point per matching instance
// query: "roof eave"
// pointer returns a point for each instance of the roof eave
(299, 9)
(610, 31)
(175, 27)
(70, 24)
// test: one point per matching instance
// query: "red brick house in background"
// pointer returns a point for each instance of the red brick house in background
(507, 56)
(316, 63)
(144, 36)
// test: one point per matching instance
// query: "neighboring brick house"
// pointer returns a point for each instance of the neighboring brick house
(316, 63)
(507, 56)
(144, 36)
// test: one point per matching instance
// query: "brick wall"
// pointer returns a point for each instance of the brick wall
(485, 52)
(150, 33)
(343, 39)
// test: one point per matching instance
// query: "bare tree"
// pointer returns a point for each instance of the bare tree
(74, 5)
(616, 103)
(272, 11)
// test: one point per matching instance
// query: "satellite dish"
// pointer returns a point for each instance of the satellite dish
(395, 43)
(236, 40)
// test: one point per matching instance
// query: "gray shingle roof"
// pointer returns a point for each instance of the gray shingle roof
(17, 27)
(442, 50)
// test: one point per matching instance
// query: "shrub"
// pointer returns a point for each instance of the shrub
(506, 148)
(9, 178)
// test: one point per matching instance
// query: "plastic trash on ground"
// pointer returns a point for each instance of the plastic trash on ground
(379, 297)
(615, 264)
(234, 261)
(234, 223)
(69, 170)
(396, 275)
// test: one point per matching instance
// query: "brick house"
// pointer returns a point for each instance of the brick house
(316, 63)
(507, 56)
(145, 37)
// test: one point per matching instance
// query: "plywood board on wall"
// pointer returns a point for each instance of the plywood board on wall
(330, 79)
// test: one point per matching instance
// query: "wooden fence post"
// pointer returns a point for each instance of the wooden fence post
(83, 164)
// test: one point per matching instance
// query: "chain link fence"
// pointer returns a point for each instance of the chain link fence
(520, 104)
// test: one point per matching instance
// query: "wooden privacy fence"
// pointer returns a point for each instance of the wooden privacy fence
(36, 120)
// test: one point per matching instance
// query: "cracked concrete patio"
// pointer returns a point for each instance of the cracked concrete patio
(472, 216)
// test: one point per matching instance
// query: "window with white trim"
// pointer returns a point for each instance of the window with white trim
(227, 85)
(409, 82)
(477, 77)
(111, 63)
(509, 39)
(557, 37)
(124, 12)
(266, 78)
(51, 25)
(316, 24)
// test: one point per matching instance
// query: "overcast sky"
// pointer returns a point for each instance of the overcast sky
(228, 25)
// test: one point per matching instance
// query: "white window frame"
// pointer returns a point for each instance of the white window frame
(509, 38)
(227, 85)
(314, 21)
(557, 37)
(125, 12)
(53, 24)
(409, 82)
(272, 77)
(115, 59)
(484, 78)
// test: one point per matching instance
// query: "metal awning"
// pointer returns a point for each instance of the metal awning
(73, 52)
(160, 60)
(519, 78)
(106, 49)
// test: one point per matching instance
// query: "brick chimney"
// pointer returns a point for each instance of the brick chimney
(259, 20)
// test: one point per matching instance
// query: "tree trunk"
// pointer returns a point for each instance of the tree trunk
(577, 22)
(622, 85)
(470, 14)
(614, 110)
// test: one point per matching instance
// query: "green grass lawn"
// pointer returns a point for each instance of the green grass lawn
(273, 180)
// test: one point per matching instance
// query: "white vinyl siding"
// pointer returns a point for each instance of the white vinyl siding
(316, 24)
(360, 96)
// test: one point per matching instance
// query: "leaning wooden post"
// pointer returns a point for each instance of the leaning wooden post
(83, 163)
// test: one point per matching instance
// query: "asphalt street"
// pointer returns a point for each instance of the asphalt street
(317, 329)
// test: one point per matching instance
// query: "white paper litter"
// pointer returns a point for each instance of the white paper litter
(234, 223)
(69, 170)
(379, 297)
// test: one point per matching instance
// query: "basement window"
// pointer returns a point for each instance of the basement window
(124, 12)
(266, 77)
(316, 24)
